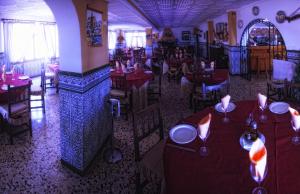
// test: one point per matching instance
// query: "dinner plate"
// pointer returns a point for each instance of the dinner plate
(112, 70)
(279, 107)
(23, 77)
(5, 87)
(148, 72)
(246, 144)
(183, 133)
(231, 107)
(8, 73)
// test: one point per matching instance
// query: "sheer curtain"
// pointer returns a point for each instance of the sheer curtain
(135, 39)
(112, 39)
(28, 41)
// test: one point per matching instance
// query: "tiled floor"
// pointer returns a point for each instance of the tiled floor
(33, 165)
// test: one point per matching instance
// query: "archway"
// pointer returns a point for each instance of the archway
(260, 42)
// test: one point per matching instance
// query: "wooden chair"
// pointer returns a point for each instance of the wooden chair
(16, 114)
(200, 97)
(37, 94)
(120, 91)
(47, 78)
(154, 88)
(148, 125)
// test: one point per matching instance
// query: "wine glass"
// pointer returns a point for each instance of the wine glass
(257, 177)
(225, 119)
(13, 72)
(262, 117)
(296, 138)
(204, 150)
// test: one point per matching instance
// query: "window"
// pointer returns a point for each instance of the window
(112, 39)
(135, 39)
(28, 41)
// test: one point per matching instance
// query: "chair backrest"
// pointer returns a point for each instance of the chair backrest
(18, 94)
(119, 82)
(19, 68)
(283, 70)
(145, 123)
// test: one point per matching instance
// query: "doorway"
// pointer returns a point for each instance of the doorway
(260, 43)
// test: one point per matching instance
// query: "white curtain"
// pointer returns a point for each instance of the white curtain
(28, 41)
(135, 39)
(112, 39)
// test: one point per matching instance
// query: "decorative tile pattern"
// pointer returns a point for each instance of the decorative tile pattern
(84, 114)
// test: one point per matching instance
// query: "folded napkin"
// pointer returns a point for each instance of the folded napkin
(212, 65)
(128, 63)
(225, 101)
(203, 126)
(136, 66)
(295, 117)
(117, 65)
(262, 99)
(258, 157)
(202, 65)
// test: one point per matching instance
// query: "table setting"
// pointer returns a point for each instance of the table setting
(235, 147)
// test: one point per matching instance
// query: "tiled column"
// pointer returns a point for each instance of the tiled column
(233, 53)
(85, 120)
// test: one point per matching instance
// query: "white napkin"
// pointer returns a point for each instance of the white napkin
(225, 101)
(212, 65)
(258, 156)
(117, 65)
(203, 126)
(128, 63)
(123, 67)
(262, 99)
(295, 117)
(136, 66)
(202, 64)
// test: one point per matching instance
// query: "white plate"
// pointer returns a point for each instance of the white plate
(148, 72)
(279, 107)
(231, 107)
(23, 77)
(183, 133)
(8, 73)
(5, 87)
(112, 70)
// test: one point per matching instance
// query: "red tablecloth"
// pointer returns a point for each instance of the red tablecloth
(137, 78)
(218, 76)
(226, 168)
(9, 81)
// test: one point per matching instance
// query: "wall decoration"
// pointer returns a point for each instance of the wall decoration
(255, 10)
(221, 31)
(94, 27)
(281, 16)
(186, 35)
(240, 24)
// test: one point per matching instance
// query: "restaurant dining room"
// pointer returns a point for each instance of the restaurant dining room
(150, 96)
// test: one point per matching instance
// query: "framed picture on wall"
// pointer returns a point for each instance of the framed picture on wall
(186, 35)
(94, 27)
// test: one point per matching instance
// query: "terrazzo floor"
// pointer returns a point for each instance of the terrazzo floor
(32, 164)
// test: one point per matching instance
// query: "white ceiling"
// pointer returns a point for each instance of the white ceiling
(26, 10)
(181, 13)
(121, 13)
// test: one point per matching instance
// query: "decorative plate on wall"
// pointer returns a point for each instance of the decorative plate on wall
(240, 23)
(255, 10)
(280, 16)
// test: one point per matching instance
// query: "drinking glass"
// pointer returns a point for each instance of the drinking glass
(263, 117)
(225, 119)
(204, 150)
(258, 178)
(296, 138)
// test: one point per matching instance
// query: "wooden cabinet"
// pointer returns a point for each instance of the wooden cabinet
(261, 56)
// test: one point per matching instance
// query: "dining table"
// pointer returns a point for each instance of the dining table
(137, 81)
(12, 80)
(226, 167)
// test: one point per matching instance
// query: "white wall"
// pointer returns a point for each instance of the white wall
(268, 10)
(69, 35)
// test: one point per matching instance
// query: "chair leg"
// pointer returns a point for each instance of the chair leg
(138, 189)
(43, 103)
